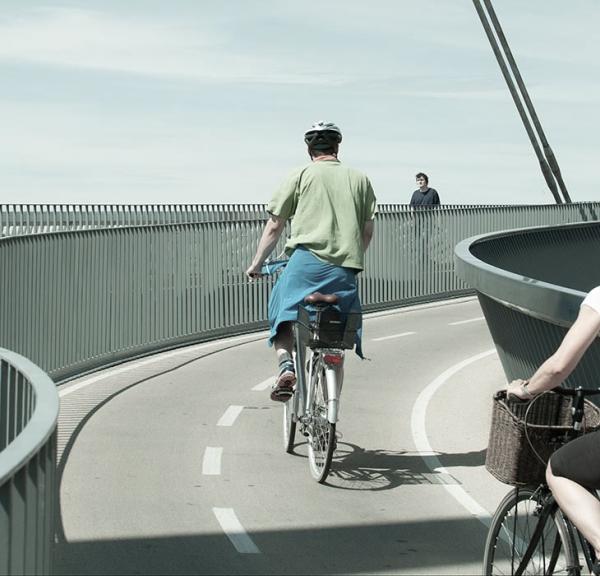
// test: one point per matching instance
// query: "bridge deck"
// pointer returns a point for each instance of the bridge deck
(174, 464)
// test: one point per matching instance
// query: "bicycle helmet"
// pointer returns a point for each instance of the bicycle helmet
(322, 136)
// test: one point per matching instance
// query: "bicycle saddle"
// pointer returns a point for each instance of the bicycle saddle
(317, 297)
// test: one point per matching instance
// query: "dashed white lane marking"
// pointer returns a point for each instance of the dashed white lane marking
(235, 531)
(157, 358)
(230, 416)
(211, 464)
(419, 434)
(264, 384)
(393, 336)
(478, 319)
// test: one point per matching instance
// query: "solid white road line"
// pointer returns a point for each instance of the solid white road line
(235, 531)
(478, 319)
(230, 415)
(211, 464)
(393, 336)
(419, 433)
(264, 384)
(107, 373)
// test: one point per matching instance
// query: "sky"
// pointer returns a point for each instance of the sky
(207, 101)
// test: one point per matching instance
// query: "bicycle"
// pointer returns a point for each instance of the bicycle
(529, 534)
(326, 332)
(315, 402)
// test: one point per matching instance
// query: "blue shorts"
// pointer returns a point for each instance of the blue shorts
(305, 274)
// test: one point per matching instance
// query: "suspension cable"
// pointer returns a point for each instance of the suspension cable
(546, 158)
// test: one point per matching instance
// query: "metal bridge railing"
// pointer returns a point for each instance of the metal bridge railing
(531, 284)
(115, 293)
(28, 416)
(19, 219)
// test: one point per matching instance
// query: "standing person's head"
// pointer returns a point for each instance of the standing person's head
(323, 139)
(422, 180)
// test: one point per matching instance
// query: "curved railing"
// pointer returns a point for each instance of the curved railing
(110, 294)
(531, 283)
(28, 417)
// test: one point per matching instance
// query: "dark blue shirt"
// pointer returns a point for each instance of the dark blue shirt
(424, 199)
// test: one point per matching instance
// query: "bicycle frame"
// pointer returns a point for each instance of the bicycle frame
(329, 359)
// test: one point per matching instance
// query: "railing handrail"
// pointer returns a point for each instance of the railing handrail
(544, 300)
(43, 420)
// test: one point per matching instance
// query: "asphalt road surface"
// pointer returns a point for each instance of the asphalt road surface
(175, 464)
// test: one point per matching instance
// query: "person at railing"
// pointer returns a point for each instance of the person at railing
(574, 469)
(333, 207)
(424, 196)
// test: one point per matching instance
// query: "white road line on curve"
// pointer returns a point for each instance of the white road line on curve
(157, 358)
(230, 416)
(393, 336)
(419, 434)
(264, 384)
(235, 531)
(478, 319)
(211, 464)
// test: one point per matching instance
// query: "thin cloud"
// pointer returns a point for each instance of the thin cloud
(90, 39)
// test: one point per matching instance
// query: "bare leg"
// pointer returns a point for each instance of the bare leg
(284, 341)
(582, 508)
(284, 344)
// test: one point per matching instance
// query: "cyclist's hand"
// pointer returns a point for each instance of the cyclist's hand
(254, 272)
(515, 390)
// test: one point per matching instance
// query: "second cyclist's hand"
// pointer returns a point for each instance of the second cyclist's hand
(254, 272)
(515, 390)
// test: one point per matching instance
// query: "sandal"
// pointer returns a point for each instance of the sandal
(283, 389)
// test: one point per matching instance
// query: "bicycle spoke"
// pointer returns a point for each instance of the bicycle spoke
(511, 534)
(321, 432)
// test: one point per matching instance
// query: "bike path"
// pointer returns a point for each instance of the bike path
(177, 466)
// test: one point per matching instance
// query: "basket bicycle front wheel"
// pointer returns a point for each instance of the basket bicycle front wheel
(321, 436)
(511, 531)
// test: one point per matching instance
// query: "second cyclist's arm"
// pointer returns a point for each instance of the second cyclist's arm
(367, 234)
(271, 234)
(558, 367)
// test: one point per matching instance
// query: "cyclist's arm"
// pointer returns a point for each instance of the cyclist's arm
(558, 367)
(368, 233)
(271, 233)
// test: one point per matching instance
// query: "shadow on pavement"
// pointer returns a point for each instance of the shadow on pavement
(355, 468)
(409, 547)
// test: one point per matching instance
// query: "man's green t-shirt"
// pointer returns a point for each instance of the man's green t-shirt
(330, 204)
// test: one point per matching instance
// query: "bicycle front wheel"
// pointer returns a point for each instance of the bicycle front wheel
(321, 432)
(511, 531)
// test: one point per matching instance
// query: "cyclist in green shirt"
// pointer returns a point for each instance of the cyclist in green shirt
(332, 208)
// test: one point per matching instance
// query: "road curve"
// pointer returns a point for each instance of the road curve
(174, 464)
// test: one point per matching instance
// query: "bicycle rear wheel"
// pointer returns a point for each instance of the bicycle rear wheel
(510, 533)
(321, 432)
(289, 423)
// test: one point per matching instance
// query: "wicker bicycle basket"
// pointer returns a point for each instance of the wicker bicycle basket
(543, 423)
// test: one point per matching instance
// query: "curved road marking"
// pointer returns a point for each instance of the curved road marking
(393, 336)
(478, 319)
(235, 531)
(422, 442)
(154, 358)
(211, 464)
(230, 416)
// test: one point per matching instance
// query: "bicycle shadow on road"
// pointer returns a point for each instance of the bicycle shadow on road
(355, 468)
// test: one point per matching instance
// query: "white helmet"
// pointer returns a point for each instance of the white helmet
(322, 135)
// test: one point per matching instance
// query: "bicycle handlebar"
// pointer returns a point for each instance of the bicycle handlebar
(576, 391)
